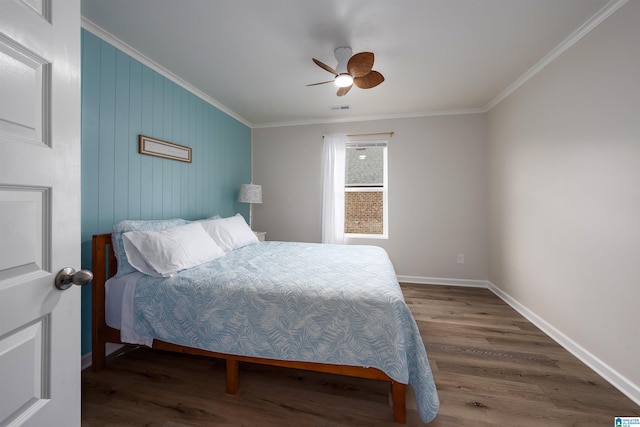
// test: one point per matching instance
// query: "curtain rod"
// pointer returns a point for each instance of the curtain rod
(367, 134)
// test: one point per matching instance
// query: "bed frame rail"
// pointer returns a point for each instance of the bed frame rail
(104, 267)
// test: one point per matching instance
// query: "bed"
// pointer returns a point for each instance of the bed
(285, 304)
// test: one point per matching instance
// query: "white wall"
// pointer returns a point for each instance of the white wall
(564, 195)
(437, 190)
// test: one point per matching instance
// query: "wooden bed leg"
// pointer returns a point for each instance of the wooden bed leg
(98, 355)
(398, 396)
(102, 260)
(232, 376)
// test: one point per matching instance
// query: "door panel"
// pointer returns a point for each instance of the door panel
(25, 76)
(24, 231)
(23, 364)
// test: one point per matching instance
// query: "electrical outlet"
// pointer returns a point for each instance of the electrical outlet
(460, 258)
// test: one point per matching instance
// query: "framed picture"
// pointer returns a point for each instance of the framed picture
(160, 148)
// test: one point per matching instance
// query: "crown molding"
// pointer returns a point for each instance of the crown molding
(578, 34)
(119, 44)
(370, 118)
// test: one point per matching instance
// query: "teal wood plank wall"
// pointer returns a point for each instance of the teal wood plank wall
(122, 98)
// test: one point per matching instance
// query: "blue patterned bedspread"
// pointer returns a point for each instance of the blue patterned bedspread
(337, 304)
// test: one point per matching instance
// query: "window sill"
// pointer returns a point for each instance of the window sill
(366, 236)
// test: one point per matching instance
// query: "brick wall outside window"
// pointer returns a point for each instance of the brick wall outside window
(363, 212)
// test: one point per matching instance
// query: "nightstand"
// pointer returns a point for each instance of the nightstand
(261, 235)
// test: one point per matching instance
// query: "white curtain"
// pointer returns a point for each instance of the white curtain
(333, 172)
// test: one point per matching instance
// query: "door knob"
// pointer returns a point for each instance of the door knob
(68, 276)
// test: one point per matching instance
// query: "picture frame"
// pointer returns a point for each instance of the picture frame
(167, 150)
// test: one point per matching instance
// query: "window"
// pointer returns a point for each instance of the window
(365, 193)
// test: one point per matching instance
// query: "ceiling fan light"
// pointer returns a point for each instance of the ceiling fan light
(344, 80)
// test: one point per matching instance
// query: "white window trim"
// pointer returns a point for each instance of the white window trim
(357, 143)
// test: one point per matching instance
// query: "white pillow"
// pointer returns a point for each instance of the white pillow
(207, 219)
(121, 227)
(230, 233)
(163, 253)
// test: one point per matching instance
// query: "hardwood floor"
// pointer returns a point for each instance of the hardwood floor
(492, 368)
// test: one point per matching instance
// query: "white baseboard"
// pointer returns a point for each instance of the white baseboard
(622, 383)
(443, 281)
(619, 381)
(86, 359)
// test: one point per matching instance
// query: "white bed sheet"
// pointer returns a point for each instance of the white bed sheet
(119, 308)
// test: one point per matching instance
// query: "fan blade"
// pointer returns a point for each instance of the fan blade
(321, 83)
(360, 64)
(372, 79)
(343, 90)
(325, 66)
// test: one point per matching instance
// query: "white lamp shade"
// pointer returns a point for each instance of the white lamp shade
(250, 193)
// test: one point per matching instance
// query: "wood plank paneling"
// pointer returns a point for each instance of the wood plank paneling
(121, 129)
(146, 128)
(106, 135)
(122, 98)
(135, 125)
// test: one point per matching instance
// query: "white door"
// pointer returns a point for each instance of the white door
(39, 211)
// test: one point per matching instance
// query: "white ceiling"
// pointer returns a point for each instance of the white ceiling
(253, 57)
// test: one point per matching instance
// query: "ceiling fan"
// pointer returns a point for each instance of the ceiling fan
(351, 70)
